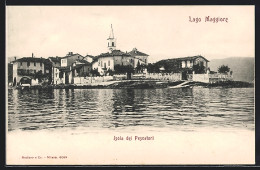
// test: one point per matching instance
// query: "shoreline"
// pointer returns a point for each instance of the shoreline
(143, 84)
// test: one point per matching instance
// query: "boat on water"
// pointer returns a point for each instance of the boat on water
(184, 84)
(175, 87)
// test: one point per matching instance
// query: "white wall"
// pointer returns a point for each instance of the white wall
(105, 61)
(34, 82)
(15, 76)
(95, 65)
(164, 76)
(89, 80)
(201, 78)
(55, 77)
(64, 62)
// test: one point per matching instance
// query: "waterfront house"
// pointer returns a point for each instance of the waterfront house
(107, 61)
(56, 63)
(184, 63)
(70, 58)
(65, 69)
(27, 67)
(89, 58)
(81, 68)
(139, 57)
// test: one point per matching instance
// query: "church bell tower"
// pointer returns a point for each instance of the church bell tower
(111, 44)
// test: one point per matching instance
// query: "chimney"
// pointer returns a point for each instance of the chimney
(32, 55)
(14, 58)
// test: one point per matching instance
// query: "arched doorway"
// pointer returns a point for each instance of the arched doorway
(26, 80)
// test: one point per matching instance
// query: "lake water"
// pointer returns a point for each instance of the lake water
(185, 109)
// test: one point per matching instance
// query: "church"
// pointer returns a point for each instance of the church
(108, 61)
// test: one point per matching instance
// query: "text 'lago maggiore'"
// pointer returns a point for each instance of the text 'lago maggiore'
(209, 19)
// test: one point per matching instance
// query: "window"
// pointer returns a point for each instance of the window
(191, 63)
(183, 64)
(21, 63)
(188, 63)
(145, 60)
(105, 65)
(34, 63)
(112, 44)
(108, 63)
(28, 64)
(40, 63)
(34, 71)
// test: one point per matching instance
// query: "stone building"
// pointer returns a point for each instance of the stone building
(26, 68)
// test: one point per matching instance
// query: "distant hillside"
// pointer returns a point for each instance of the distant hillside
(242, 67)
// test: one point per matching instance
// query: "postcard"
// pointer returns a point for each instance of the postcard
(130, 85)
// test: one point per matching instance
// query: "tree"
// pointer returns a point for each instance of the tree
(121, 69)
(153, 68)
(138, 67)
(110, 72)
(94, 72)
(199, 69)
(223, 69)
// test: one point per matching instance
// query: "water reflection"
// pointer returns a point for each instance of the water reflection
(183, 108)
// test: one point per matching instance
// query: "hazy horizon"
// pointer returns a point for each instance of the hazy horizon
(162, 32)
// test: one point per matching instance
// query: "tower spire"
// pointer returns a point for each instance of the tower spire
(111, 45)
(111, 33)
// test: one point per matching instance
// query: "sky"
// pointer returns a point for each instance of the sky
(162, 32)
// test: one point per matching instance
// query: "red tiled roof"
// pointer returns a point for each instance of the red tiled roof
(135, 52)
(185, 58)
(91, 56)
(30, 59)
(113, 53)
(70, 55)
(55, 59)
(84, 62)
